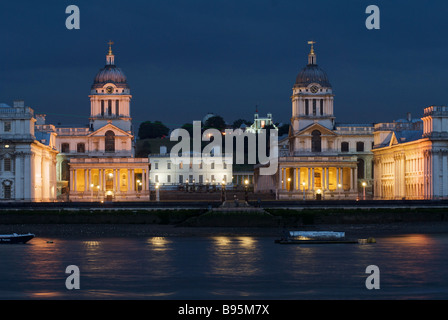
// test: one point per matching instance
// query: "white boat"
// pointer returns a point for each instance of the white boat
(15, 238)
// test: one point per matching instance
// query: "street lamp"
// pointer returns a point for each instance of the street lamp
(364, 184)
(289, 184)
(223, 190)
(303, 187)
(339, 188)
(246, 196)
(157, 193)
(91, 191)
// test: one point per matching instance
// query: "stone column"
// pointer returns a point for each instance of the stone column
(75, 182)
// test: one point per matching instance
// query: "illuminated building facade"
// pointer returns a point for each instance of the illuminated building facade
(97, 162)
(411, 157)
(321, 159)
(27, 156)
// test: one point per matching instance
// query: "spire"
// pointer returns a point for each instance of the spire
(110, 58)
(312, 55)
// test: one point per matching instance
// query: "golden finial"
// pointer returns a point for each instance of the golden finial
(110, 43)
(312, 46)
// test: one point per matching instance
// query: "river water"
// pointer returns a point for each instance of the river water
(410, 267)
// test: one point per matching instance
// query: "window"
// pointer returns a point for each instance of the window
(117, 107)
(65, 170)
(7, 189)
(168, 178)
(181, 165)
(360, 169)
(81, 148)
(109, 143)
(201, 179)
(65, 148)
(224, 165)
(102, 107)
(190, 178)
(109, 107)
(212, 165)
(316, 142)
(360, 146)
(7, 164)
(157, 178)
(307, 107)
(191, 165)
(156, 165)
(181, 178)
(168, 165)
(314, 107)
(321, 106)
(344, 147)
(7, 126)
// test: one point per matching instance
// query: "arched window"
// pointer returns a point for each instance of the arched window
(65, 148)
(344, 147)
(360, 168)
(316, 142)
(109, 145)
(360, 146)
(81, 148)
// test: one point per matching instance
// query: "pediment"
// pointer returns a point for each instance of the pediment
(315, 126)
(393, 140)
(101, 132)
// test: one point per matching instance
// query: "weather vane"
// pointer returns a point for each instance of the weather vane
(110, 43)
(312, 45)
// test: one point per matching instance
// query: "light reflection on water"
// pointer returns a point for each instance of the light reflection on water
(412, 266)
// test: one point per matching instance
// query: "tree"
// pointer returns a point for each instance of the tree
(215, 122)
(283, 129)
(151, 130)
(237, 123)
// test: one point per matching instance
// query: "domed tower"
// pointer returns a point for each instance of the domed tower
(312, 98)
(110, 97)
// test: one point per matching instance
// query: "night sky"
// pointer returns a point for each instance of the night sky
(184, 59)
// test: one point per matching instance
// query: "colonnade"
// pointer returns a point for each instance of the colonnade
(110, 181)
(318, 180)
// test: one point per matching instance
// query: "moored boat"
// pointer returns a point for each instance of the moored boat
(319, 237)
(15, 238)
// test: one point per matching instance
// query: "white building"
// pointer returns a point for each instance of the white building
(261, 123)
(411, 157)
(97, 162)
(321, 159)
(27, 156)
(172, 172)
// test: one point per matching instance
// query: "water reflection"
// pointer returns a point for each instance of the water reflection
(158, 258)
(231, 257)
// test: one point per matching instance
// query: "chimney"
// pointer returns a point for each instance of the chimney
(19, 103)
(40, 118)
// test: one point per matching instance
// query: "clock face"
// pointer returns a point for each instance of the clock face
(314, 89)
(110, 89)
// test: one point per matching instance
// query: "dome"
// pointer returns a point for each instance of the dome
(110, 74)
(312, 74)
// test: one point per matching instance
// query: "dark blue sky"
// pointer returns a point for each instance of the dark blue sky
(184, 59)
